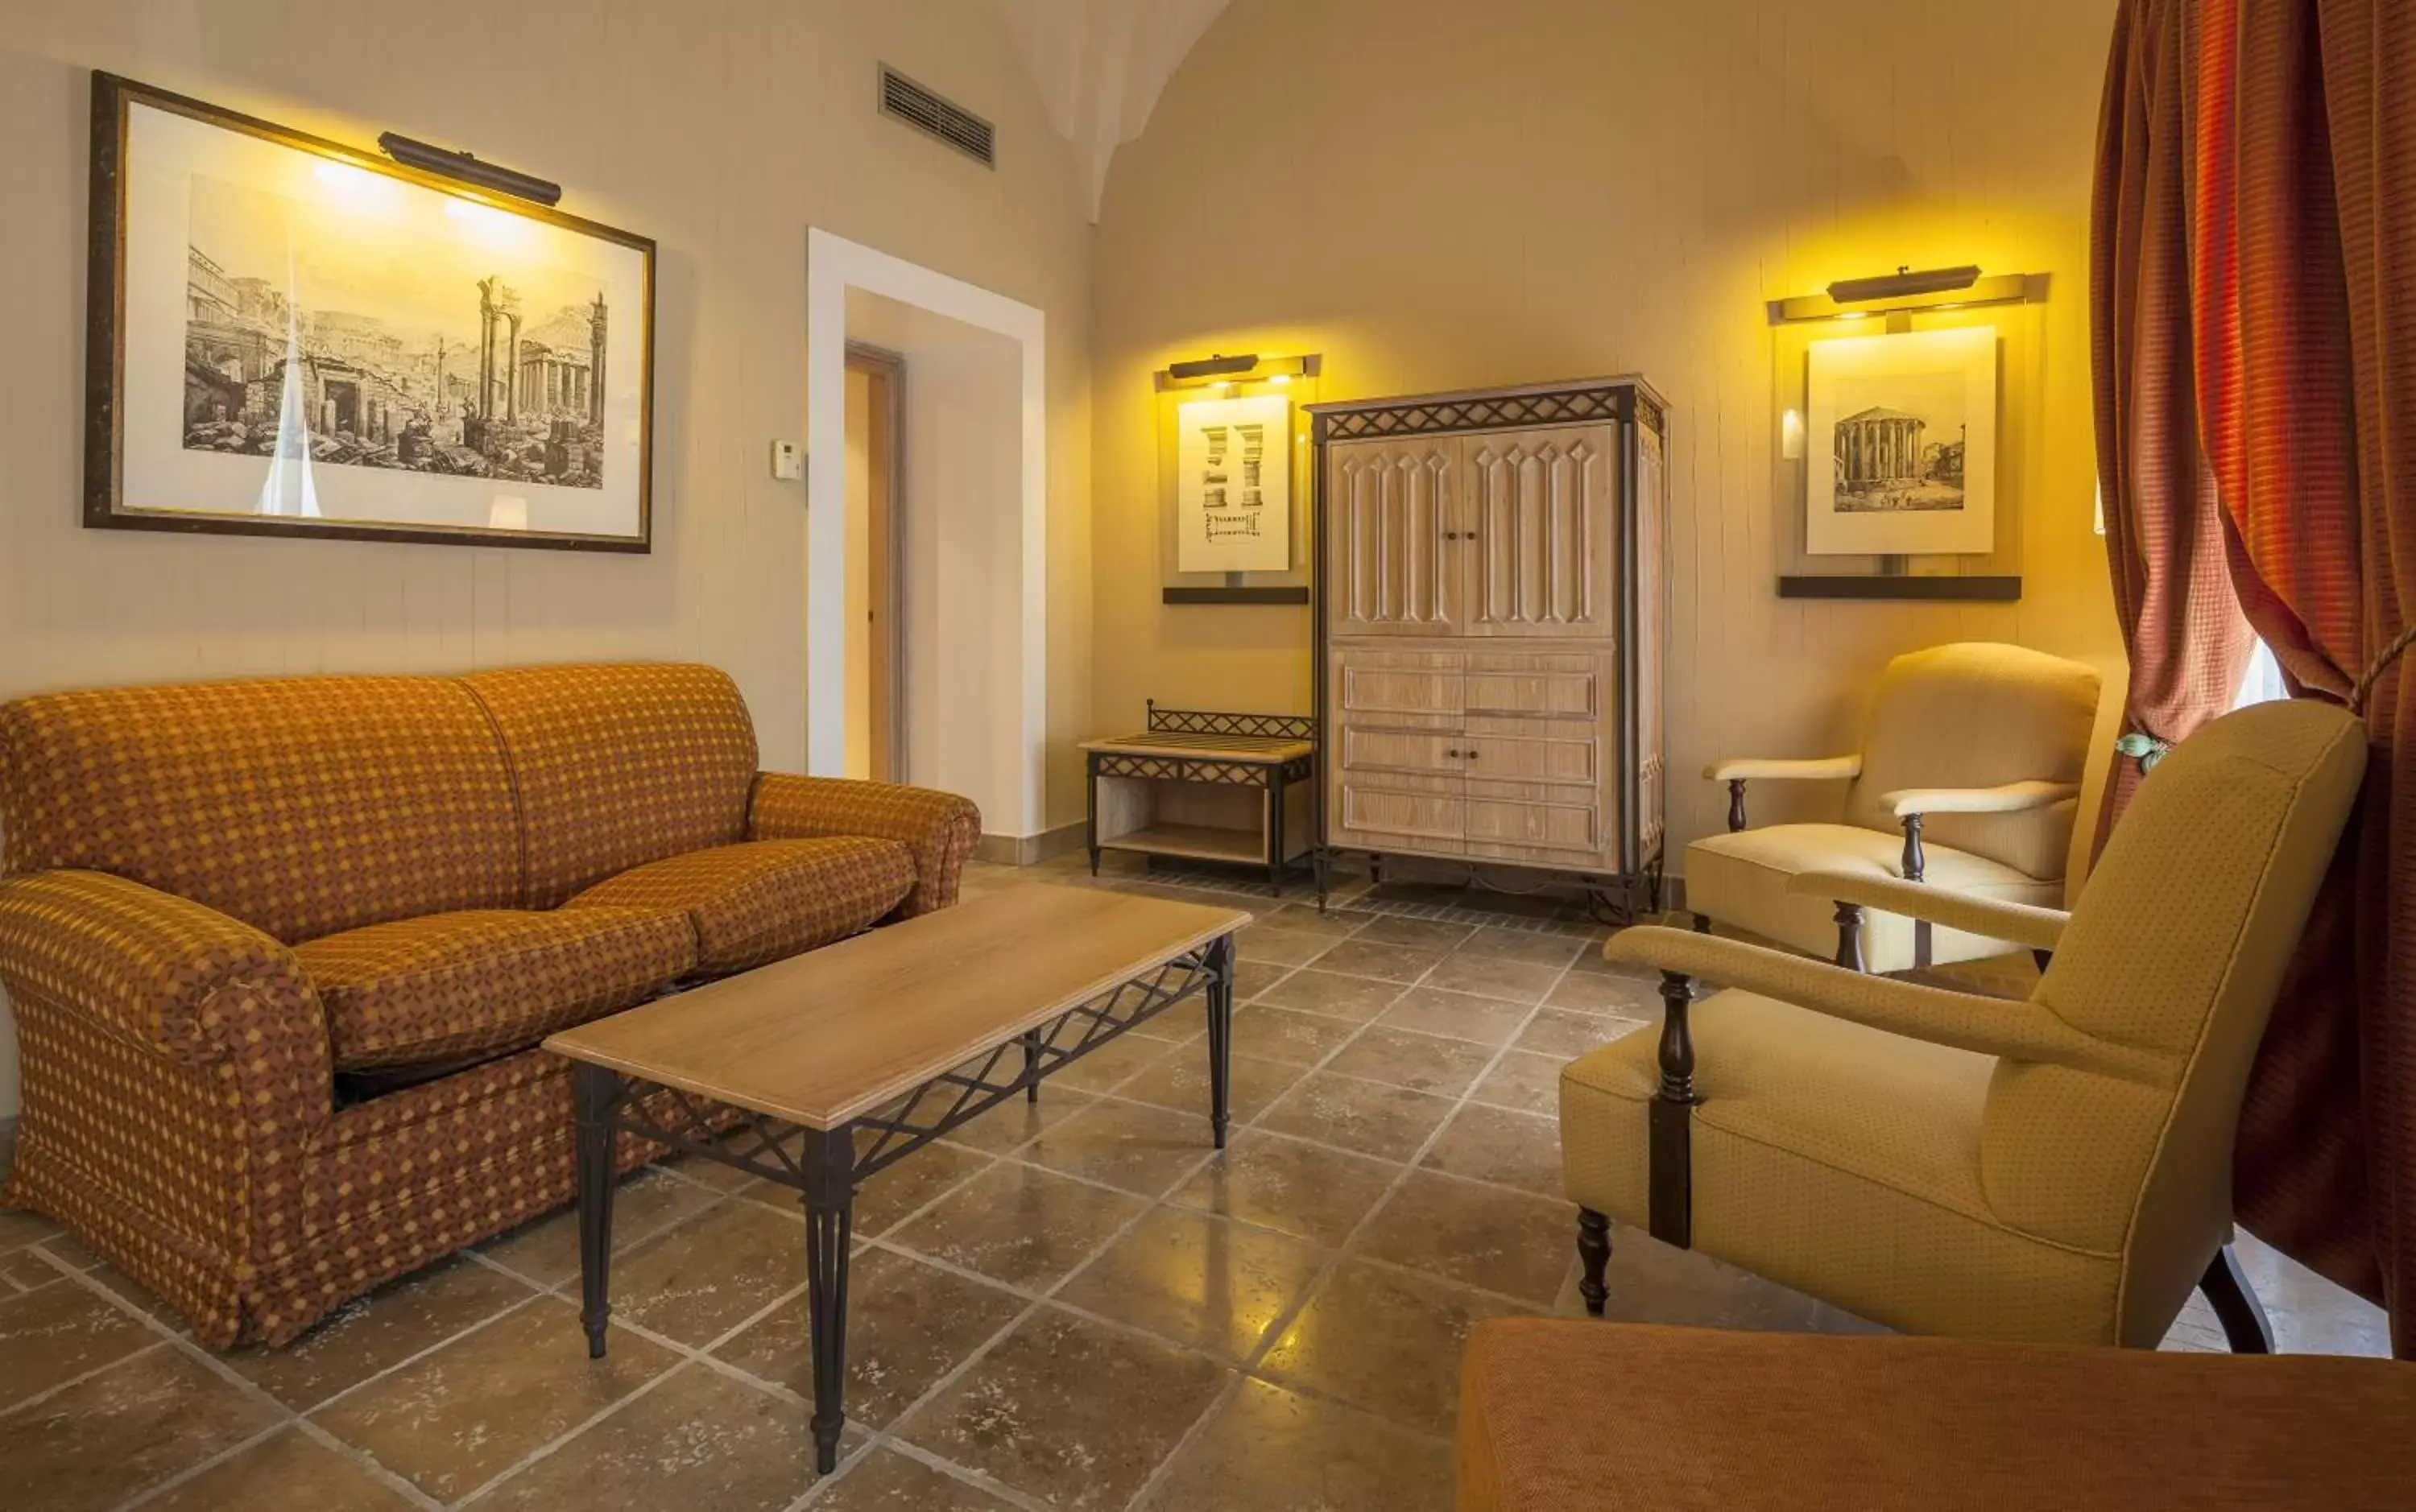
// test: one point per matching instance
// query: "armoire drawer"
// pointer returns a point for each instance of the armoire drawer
(1492, 751)
(1393, 812)
(1536, 687)
(1562, 826)
(1437, 752)
(1394, 687)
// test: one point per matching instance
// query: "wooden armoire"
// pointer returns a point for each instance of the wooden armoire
(1490, 599)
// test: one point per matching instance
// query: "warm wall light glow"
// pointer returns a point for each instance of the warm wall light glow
(493, 227)
(1790, 435)
(357, 189)
(1279, 379)
(1853, 315)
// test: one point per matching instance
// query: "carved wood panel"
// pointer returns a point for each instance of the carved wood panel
(1543, 505)
(1392, 524)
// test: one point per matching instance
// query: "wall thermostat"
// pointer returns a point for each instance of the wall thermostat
(788, 463)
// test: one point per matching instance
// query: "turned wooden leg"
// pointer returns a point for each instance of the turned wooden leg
(1670, 1130)
(2236, 1306)
(1849, 936)
(1593, 1249)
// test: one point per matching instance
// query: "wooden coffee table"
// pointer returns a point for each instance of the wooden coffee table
(838, 1063)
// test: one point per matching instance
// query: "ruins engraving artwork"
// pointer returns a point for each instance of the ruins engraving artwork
(1904, 443)
(304, 340)
(301, 337)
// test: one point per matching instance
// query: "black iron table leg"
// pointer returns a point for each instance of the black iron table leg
(594, 1091)
(1220, 1035)
(830, 1222)
(1032, 1067)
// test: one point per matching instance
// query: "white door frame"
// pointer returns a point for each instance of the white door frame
(832, 266)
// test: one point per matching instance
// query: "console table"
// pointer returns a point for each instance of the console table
(1206, 786)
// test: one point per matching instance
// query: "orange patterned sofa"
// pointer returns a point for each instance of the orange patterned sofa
(280, 952)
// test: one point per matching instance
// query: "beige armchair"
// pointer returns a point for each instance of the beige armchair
(1968, 780)
(2054, 1169)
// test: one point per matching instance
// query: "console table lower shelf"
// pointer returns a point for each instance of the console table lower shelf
(816, 1072)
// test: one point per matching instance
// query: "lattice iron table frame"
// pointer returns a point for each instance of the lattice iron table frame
(826, 1165)
(1234, 763)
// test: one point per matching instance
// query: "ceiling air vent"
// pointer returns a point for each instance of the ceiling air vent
(935, 116)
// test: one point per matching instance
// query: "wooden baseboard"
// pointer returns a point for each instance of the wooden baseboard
(1030, 850)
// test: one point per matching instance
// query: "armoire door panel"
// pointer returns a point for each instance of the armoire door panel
(1543, 505)
(1393, 537)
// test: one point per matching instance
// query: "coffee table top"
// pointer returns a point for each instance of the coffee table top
(828, 1036)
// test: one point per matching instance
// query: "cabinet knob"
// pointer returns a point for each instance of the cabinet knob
(1452, 754)
(1472, 755)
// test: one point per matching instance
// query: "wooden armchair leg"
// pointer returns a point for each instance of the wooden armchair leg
(1849, 936)
(1671, 1132)
(1593, 1251)
(2235, 1305)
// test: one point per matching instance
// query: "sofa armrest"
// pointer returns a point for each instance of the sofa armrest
(2023, 923)
(182, 980)
(939, 829)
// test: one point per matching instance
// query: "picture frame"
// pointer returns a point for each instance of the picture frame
(287, 337)
(1233, 486)
(1901, 435)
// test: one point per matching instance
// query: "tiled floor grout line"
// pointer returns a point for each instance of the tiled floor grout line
(1274, 1332)
(184, 1344)
(931, 1393)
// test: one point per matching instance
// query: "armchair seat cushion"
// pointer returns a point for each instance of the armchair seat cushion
(1837, 1158)
(761, 900)
(455, 986)
(1741, 879)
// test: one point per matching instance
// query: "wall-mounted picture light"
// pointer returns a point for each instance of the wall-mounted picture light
(1221, 370)
(1904, 282)
(469, 169)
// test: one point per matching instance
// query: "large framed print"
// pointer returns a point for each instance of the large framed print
(290, 338)
(1902, 433)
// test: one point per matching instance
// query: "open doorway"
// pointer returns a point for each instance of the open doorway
(969, 538)
(876, 401)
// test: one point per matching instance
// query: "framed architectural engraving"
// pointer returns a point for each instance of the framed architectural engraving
(290, 338)
(1902, 433)
(1233, 492)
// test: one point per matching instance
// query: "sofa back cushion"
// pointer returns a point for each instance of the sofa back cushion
(301, 806)
(618, 765)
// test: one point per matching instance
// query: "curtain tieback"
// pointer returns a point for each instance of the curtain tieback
(2373, 671)
(2144, 748)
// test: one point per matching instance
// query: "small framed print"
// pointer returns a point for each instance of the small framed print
(1234, 493)
(290, 338)
(1903, 442)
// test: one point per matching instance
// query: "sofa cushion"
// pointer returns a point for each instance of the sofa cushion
(450, 986)
(765, 899)
(301, 806)
(618, 765)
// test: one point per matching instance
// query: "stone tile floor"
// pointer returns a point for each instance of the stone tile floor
(1073, 1306)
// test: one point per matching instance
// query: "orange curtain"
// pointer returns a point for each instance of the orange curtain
(2286, 129)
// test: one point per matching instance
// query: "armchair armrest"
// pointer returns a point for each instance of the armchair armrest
(939, 829)
(182, 980)
(2012, 797)
(1992, 918)
(2018, 1029)
(1783, 768)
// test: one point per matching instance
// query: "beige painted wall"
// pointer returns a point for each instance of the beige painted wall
(722, 130)
(1441, 195)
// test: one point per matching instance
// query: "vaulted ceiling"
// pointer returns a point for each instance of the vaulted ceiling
(1101, 65)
